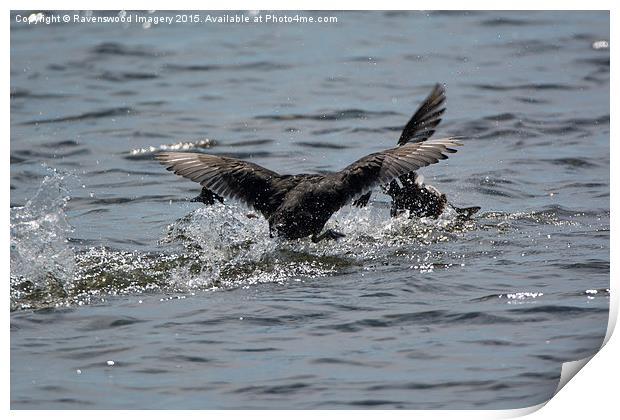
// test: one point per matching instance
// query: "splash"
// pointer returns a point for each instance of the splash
(232, 248)
(42, 262)
(181, 146)
(212, 248)
(229, 247)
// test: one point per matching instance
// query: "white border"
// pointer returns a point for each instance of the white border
(593, 394)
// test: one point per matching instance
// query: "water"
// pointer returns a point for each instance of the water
(126, 295)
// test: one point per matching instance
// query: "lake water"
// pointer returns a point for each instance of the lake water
(126, 295)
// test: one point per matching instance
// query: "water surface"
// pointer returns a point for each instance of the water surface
(126, 295)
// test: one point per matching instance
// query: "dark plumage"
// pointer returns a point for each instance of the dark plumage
(421, 200)
(297, 206)
(207, 197)
(422, 124)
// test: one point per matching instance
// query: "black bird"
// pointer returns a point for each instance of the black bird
(412, 194)
(297, 206)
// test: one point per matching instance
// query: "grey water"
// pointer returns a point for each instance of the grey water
(124, 294)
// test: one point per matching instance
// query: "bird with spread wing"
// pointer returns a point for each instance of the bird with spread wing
(297, 206)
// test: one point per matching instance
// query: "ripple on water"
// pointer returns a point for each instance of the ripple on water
(103, 113)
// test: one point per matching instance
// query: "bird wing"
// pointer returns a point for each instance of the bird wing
(422, 125)
(382, 167)
(228, 177)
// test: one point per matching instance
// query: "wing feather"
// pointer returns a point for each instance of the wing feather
(422, 124)
(383, 167)
(229, 177)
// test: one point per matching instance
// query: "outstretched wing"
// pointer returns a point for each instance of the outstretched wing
(381, 168)
(422, 125)
(228, 177)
